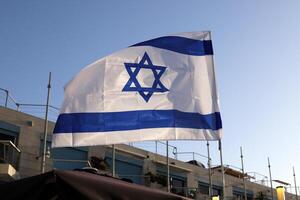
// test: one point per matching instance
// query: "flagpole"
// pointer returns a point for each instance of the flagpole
(113, 160)
(209, 171)
(295, 183)
(269, 166)
(222, 169)
(168, 167)
(244, 182)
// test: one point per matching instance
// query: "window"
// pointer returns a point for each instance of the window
(177, 186)
(240, 195)
(8, 153)
(203, 188)
(69, 158)
(9, 132)
(7, 137)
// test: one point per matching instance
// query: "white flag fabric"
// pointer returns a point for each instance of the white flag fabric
(160, 89)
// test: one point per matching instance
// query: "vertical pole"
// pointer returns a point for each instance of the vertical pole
(156, 146)
(295, 183)
(269, 166)
(210, 191)
(113, 160)
(6, 98)
(168, 167)
(43, 163)
(222, 170)
(244, 182)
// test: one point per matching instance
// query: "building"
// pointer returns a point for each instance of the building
(21, 142)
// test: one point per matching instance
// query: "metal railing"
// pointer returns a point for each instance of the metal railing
(192, 156)
(259, 178)
(38, 110)
(157, 147)
(9, 153)
(9, 101)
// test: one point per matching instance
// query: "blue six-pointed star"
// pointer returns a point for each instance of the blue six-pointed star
(133, 84)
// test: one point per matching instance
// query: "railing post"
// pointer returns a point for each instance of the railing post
(295, 183)
(168, 166)
(269, 166)
(244, 181)
(43, 161)
(6, 98)
(210, 190)
(224, 197)
(113, 160)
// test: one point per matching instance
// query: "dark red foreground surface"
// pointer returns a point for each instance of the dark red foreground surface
(62, 185)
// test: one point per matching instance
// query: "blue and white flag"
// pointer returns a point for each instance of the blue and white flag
(160, 89)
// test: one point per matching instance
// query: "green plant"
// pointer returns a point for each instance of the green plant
(260, 196)
(160, 179)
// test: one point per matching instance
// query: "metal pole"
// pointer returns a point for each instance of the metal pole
(244, 182)
(156, 146)
(222, 170)
(210, 193)
(43, 163)
(168, 167)
(295, 183)
(113, 160)
(269, 166)
(6, 98)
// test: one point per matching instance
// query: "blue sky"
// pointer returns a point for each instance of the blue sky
(256, 45)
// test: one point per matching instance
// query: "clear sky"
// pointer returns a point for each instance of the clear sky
(257, 59)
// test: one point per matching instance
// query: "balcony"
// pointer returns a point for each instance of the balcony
(9, 161)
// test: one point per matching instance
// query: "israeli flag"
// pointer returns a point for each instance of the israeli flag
(160, 89)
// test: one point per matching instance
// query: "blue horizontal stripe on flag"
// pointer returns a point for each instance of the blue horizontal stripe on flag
(180, 45)
(132, 120)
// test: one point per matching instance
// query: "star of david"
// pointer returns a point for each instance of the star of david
(133, 84)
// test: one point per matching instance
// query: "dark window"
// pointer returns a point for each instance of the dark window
(240, 196)
(8, 153)
(217, 191)
(177, 186)
(127, 168)
(69, 158)
(203, 189)
(7, 137)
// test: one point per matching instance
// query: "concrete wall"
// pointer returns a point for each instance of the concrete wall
(29, 142)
